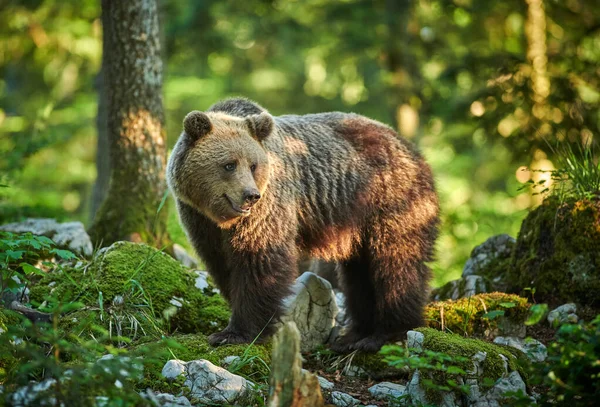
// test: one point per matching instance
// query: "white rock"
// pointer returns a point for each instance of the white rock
(415, 340)
(312, 307)
(534, 349)
(70, 235)
(340, 399)
(354, 371)
(325, 384)
(565, 314)
(415, 390)
(466, 286)
(202, 281)
(387, 391)
(482, 255)
(212, 384)
(495, 396)
(176, 301)
(173, 368)
(183, 257)
(169, 400)
(34, 394)
(230, 359)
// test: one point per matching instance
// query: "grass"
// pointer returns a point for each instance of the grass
(578, 173)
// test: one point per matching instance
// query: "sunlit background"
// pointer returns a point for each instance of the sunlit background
(483, 87)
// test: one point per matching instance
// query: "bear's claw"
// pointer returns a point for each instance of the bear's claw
(227, 338)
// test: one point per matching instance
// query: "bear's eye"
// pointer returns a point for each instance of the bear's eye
(253, 167)
(229, 167)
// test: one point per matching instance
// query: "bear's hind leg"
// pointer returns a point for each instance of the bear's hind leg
(360, 302)
(386, 290)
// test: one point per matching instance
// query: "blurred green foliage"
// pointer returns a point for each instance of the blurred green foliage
(466, 80)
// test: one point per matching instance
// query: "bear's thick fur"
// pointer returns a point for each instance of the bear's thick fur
(253, 191)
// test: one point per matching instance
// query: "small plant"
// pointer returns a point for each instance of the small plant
(440, 371)
(578, 173)
(70, 370)
(572, 369)
(20, 256)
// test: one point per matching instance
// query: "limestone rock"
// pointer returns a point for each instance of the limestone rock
(173, 369)
(313, 308)
(34, 394)
(166, 399)
(484, 359)
(69, 235)
(565, 314)
(324, 383)
(414, 340)
(340, 399)
(387, 391)
(212, 384)
(499, 246)
(184, 258)
(534, 349)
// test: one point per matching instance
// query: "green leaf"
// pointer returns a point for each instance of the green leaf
(15, 254)
(493, 314)
(455, 370)
(536, 313)
(63, 254)
(162, 201)
(29, 269)
(45, 240)
(508, 304)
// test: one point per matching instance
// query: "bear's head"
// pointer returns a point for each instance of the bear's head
(219, 165)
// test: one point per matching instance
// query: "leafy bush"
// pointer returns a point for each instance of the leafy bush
(572, 370)
(19, 255)
(71, 370)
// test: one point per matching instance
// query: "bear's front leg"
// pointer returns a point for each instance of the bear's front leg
(258, 283)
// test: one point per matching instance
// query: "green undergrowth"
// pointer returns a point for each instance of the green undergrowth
(445, 360)
(482, 315)
(557, 252)
(253, 363)
(136, 290)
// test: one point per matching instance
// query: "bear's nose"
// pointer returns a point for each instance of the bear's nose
(251, 196)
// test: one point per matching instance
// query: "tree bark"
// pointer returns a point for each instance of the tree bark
(400, 63)
(102, 147)
(133, 86)
(289, 386)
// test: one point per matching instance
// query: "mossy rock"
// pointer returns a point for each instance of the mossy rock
(457, 345)
(482, 315)
(254, 362)
(492, 368)
(138, 282)
(557, 252)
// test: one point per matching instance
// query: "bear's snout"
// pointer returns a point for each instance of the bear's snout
(251, 196)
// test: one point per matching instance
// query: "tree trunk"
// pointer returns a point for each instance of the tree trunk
(102, 147)
(400, 63)
(535, 31)
(289, 386)
(133, 86)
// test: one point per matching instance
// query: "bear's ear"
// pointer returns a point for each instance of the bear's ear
(260, 125)
(196, 124)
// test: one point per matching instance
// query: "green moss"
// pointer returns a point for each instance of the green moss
(557, 252)
(466, 315)
(495, 273)
(7, 361)
(254, 360)
(456, 345)
(137, 283)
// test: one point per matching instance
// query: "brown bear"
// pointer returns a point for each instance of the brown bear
(254, 191)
